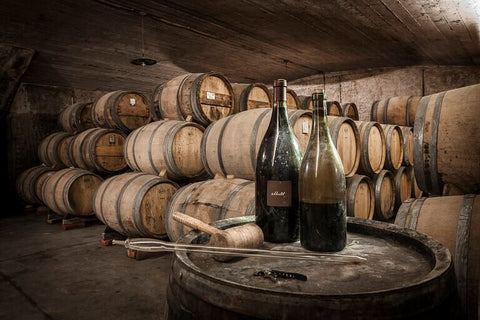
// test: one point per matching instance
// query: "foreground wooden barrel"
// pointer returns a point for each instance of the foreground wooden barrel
(399, 110)
(230, 145)
(76, 118)
(170, 145)
(372, 147)
(455, 222)
(209, 201)
(393, 146)
(134, 203)
(123, 110)
(407, 275)
(384, 190)
(360, 197)
(204, 97)
(251, 96)
(29, 183)
(99, 149)
(53, 149)
(70, 191)
(350, 110)
(447, 140)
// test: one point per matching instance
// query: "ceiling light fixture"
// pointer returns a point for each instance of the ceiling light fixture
(143, 61)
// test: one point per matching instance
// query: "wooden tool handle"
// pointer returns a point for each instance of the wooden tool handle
(194, 223)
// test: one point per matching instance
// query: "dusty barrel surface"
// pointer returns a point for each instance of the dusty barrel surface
(53, 149)
(407, 275)
(134, 203)
(99, 149)
(251, 96)
(170, 145)
(209, 201)
(30, 181)
(455, 222)
(76, 118)
(230, 145)
(70, 191)
(122, 109)
(360, 197)
(447, 140)
(204, 97)
(372, 147)
(398, 110)
(384, 189)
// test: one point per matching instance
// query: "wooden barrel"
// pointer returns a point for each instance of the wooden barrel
(76, 118)
(399, 110)
(350, 110)
(407, 275)
(230, 145)
(122, 109)
(393, 146)
(447, 140)
(360, 197)
(346, 137)
(455, 222)
(333, 107)
(170, 145)
(372, 147)
(407, 133)
(53, 149)
(204, 97)
(99, 149)
(209, 201)
(251, 96)
(30, 181)
(134, 203)
(416, 191)
(384, 189)
(293, 102)
(403, 185)
(70, 191)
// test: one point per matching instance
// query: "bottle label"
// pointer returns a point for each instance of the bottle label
(279, 193)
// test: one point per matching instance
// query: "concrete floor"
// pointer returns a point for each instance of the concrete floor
(48, 272)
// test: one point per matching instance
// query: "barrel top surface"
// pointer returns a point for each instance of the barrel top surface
(397, 259)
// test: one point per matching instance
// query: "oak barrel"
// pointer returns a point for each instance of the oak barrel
(333, 107)
(99, 149)
(346, 137)
(209, 201)
(393, 146)
(350, 110)
(251, 96)
(76, 118)
(455, 222)
(134, 203)
(372, 147)
(293, 102)
(30, 181)
(230, 145)
(124, 110)
(70, 191)
(403, 185)
(447, 140)
(399, 110)
(416, 191)
(407, 133)
(170, 145)
(360, 197)
(384, 190)
(407, 275)
(204, 97)
(53, 149)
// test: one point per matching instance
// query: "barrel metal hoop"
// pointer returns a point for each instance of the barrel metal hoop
(155, 109)
(226, 202)
(402, 212)
(106, 185)
(178, 102)
(256, 126)
(434, 176)
(373, 111)
(219, 146)
(96, 135)
(108, 102)
(407, 111)
(68, 184)
(461, 247)
(243, 101)
(418, 150)
(195, 99)
(385, 111)
(203, 153)
(137, 203)
(119, 200)
(132, 141)
(417, 206)
(366, 163)
(113, 110)
(172, 167)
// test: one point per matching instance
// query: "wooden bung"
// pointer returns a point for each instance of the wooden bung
(244, 236)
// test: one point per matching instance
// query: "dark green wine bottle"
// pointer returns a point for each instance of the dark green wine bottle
(276, 174)
(322, 187)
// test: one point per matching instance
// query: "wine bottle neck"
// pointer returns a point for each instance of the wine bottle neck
(319, 117)
(280, 101)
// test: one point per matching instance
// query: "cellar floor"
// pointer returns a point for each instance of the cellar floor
(52, 272)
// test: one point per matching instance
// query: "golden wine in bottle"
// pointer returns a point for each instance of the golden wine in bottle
(276, 174)
(322, 187)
